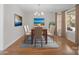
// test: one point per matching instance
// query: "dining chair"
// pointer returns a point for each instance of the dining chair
(51, 32)
(38, 35)
(26, 33)
(28, 30)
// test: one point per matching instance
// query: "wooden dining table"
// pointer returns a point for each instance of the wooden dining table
(44, 34)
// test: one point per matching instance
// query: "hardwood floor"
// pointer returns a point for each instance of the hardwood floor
(64, 49)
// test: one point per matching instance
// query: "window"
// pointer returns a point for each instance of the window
(70, 21)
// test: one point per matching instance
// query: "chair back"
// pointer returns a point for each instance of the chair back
(38, 32)
(25, 29)
(52, 30)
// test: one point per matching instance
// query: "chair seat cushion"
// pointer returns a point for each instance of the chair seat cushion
(28, 33)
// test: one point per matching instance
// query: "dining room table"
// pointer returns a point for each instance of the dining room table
(44, 30)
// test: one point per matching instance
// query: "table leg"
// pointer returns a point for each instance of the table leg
(46, 38)
(31, 39)
(46, 41)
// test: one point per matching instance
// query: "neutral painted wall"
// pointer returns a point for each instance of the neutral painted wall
(28, 18)
(1, 26)
(11, 33)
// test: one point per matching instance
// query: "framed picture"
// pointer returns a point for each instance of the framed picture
(39, 21)
(17, 20)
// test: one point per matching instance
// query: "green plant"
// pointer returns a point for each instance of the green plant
(51, 23)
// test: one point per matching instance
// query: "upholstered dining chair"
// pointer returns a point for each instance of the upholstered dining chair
(51, 32)
(26, 33)
(38, 35)
(28, 30)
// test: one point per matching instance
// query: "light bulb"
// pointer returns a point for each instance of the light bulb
(42, 13)
(35, 13)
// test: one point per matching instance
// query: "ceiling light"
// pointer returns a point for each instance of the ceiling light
(39, 12)
(42, 13)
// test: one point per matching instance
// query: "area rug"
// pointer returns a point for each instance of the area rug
(50, 44)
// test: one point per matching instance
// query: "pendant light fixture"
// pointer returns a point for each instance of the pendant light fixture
(39, 12)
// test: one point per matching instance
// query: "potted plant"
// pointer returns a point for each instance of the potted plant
(51, 24)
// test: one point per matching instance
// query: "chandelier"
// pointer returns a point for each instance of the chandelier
(39, 12)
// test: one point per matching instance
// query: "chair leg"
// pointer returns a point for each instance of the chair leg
(41, 43)
(25, 38)
(53, 39)
(35, 42)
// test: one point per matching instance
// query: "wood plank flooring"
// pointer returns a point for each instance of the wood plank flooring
(66, 48)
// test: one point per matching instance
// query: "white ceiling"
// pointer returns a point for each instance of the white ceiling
(45, 7)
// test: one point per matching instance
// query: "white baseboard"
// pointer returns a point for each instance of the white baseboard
(12, 43)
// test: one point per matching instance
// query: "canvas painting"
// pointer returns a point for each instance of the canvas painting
(18, 20)
(39, 21)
